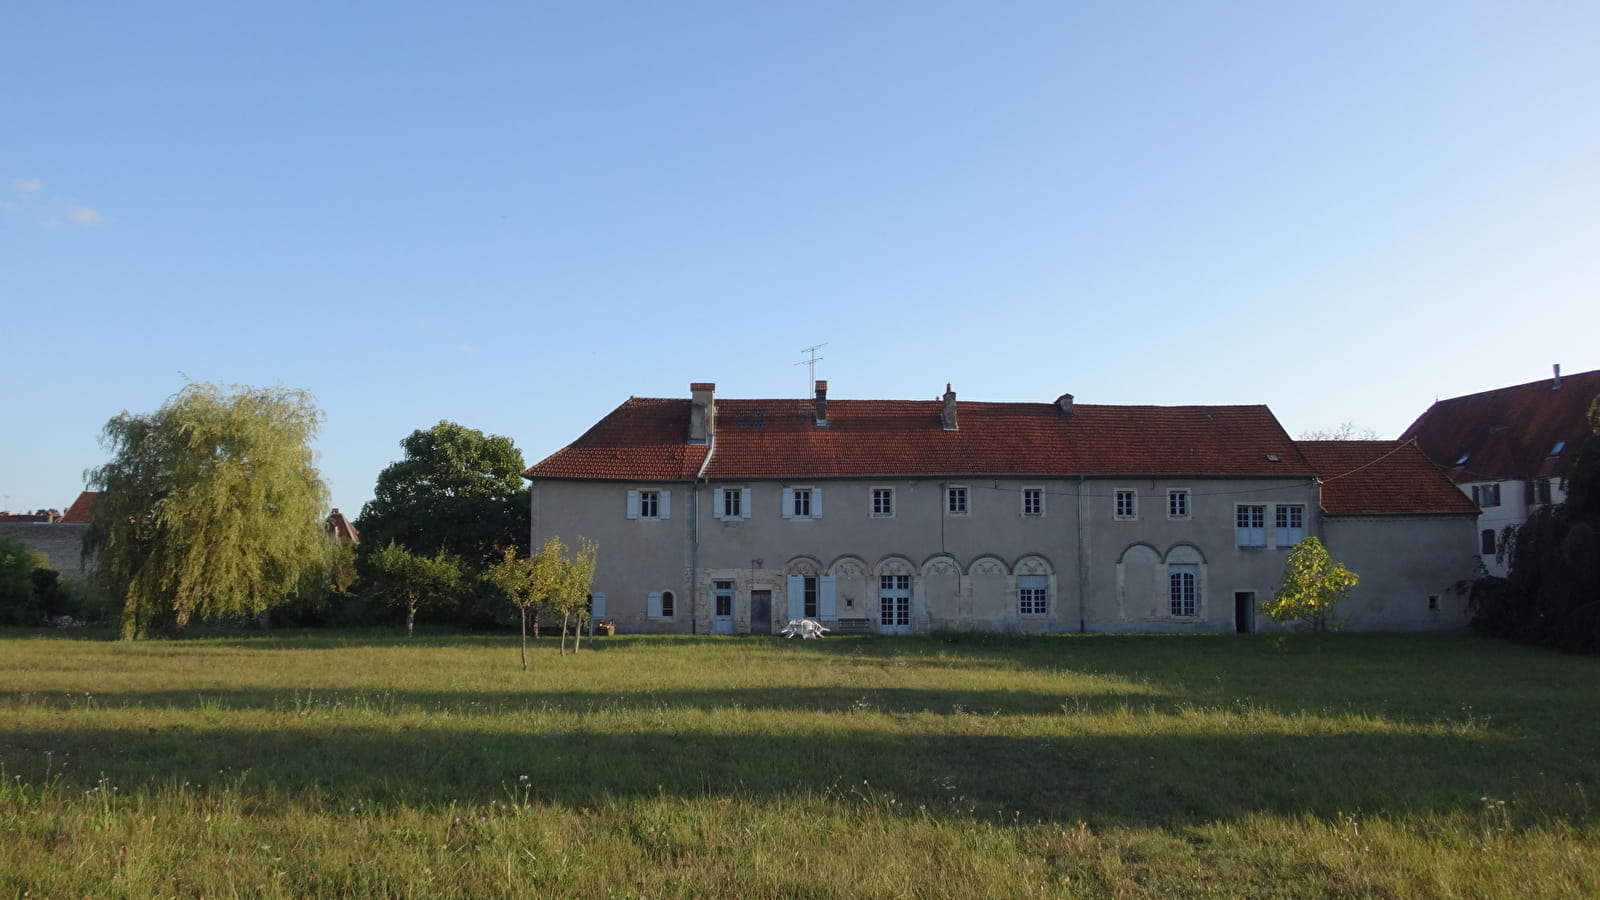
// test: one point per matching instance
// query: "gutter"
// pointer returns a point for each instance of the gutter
(1083, 552)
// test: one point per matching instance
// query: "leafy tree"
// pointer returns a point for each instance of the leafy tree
(1313, 584)
(571, 597)
(209, 506)
(530, 582)
(19, 603)
(412, 581)
(457, 490)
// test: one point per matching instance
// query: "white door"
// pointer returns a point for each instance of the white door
(722, 607)
(894, 604)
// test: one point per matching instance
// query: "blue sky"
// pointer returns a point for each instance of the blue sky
(514, 216)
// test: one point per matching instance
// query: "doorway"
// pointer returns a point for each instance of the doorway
(760, 612)
(1244, 612)
(722, 607)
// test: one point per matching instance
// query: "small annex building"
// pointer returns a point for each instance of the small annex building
(895, 516)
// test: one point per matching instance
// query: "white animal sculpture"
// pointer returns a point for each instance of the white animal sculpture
(806, 628)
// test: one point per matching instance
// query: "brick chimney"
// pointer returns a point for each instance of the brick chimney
(947, 417)
(702, 412)
(822, 404)
(1064, 404)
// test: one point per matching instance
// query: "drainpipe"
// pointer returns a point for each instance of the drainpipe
(694, 536)
(1083, 553)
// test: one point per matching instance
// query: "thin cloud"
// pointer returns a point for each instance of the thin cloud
(27, 185)
(466, 348)
(83, 215)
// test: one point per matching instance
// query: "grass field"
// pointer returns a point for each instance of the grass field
(965, 766)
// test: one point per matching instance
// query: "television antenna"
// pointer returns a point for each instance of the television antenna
(810, 362)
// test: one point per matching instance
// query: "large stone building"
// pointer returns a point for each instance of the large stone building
(734, 516)
(1509, 449)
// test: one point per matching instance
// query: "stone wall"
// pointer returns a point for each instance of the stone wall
(61, 542)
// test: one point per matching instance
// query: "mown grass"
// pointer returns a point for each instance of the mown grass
(949, 765)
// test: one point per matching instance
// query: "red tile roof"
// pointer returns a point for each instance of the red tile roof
(645, 440)
(78, 512)
(1508, 434)
(340, 527)
(1383, 478)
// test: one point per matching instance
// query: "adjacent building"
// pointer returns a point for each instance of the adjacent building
(1509, 449)
(734, 516)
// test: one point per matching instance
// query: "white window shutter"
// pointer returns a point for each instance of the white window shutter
(633, 504)
(597, 606)
(816, 503)
(653, 605)
(666, 505)
(826, 606)
(797, 596)
(718, 504)
(788, 503)
(744, 503)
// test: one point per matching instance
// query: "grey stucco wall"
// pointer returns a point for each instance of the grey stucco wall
(1089, 556)
(1402, 561)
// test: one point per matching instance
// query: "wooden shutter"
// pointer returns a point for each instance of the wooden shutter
(744, 503)
(653, 605)
(826, 606)
(597, 606)
(718, 504)
(633, 504)
(665, 509)
(797, 596)
(788, 502)
(816, 503)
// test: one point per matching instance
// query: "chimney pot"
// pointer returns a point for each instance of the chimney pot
(1556, 384)
(822, 404)
(947, 417)
(702, 412)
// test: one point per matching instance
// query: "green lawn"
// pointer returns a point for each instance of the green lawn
(360, 762)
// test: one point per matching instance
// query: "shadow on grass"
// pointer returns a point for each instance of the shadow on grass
(1102, 780)
(511, 701)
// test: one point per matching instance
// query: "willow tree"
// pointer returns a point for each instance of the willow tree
(210, 506)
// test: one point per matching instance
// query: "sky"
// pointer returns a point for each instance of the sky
(515, 216)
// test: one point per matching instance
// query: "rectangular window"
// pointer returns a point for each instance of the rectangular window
(882, 502)
(1289, 524)
(649, 504)
(1184, 590)
(1178, 504)
(1127, 504)
(1433, 602)
(956, 501)
(810, 608)
(1486, 495)
(722, 598)
(732, 503)
(800, 506)
(1543, 490)
(1033, 595)
(1250, 525)
(1033, 502)
(1486, 542)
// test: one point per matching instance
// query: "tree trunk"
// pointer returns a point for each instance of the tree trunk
(564, 620)
(577, 641)
(524, 639)
(411, 620)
